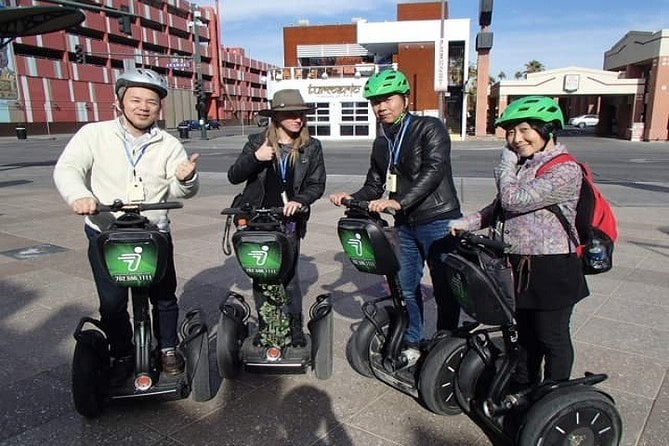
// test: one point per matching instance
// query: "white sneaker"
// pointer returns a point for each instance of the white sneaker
(411, 356)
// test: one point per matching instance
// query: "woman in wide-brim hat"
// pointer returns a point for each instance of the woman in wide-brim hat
(283, 166)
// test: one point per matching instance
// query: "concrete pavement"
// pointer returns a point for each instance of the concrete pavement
(622, 329)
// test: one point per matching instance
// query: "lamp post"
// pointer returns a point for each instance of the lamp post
(200, 104)
(441, 43)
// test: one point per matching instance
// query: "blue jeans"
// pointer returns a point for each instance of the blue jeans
(114, 303)
(420, 244)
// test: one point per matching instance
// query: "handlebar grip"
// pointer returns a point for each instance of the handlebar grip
(496, 245)
(119, 206)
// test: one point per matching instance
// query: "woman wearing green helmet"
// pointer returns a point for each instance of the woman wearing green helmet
(411, 161)
(547, 271)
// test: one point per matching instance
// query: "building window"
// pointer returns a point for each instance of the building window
(319, 119)
(354, 118)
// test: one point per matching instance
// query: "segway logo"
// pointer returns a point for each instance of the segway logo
(259, 260)
(131, 264)
(260, 255)
(358, 249)
(133, 259)
(356, 244)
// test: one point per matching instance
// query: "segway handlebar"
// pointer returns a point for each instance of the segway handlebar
(120, 206)
(248, 210)
(477, 239)
(363, 205)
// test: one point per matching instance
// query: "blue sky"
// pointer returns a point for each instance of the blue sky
(557, 33)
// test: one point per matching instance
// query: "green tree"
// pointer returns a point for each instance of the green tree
(533, 66)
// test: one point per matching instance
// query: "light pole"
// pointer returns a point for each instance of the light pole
(441, 43)
(200, 104)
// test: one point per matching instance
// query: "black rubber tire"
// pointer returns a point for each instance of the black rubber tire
(471, 378)
(574, 411)
(89, 373)
(229, 338)
(581, 125)
(323, 362)
(437, 376)
(363, 340)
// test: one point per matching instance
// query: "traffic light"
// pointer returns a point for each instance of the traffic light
(125, 24)
(79, 55)
(197, 88)
(125, 21)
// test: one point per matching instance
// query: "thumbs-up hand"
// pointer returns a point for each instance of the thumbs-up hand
(186, 169)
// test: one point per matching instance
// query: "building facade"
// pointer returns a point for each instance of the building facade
(56, 82)
(630, 95)
(330, 64)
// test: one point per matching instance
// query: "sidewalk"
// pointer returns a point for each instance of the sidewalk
(622, 329)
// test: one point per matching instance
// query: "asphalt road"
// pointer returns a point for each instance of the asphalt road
(612, 160)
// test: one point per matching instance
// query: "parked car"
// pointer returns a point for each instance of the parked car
(584, 121)
(192, 124)
(214, 124)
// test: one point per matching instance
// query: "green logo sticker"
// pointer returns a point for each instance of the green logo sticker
(131, 264)
(260, 260)
(358, 248)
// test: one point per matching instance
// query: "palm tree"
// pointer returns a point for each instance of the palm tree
(501, 76)
(534, 66)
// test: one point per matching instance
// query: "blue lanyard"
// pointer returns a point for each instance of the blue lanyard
(395, 147)
(134, 160)
(283, 168)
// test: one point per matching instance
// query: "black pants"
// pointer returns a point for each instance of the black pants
(544, 336)
(114, 303)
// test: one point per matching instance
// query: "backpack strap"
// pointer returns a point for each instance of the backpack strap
(554, 208)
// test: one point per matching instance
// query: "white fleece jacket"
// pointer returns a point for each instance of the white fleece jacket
(95, 164)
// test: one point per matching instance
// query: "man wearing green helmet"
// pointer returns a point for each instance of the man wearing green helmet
(548, 274)
(411, 161)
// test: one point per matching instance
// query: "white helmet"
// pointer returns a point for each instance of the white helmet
(141, 77)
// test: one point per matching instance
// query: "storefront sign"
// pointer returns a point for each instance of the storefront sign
(334, 90)
(571, 82)
(441, 65)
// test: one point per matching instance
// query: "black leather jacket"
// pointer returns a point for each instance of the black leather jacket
(425, 188)
(308, 177)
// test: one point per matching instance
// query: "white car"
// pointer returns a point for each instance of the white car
(584, 121)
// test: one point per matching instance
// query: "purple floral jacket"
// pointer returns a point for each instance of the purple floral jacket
(531, 229)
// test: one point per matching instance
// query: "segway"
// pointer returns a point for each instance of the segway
(134, 250)
(263, 247)
(571, 412)
(374, 348)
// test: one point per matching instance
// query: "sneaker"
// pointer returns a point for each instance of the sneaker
(410, 355)
(121, 369)
(172, 362)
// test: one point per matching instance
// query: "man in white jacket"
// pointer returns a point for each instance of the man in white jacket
(131, 159)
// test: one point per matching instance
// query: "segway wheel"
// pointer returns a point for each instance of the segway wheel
(323, 363)
(90, 366)
(577, 415)
(366, 341)
(437, 376)
(229, 338)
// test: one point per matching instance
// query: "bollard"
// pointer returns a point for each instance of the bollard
(21, 133)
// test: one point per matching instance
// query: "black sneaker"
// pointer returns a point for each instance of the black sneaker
(121, 369)
(172, 362)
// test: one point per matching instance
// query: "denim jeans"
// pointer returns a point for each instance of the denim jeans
(419, 244)
(114, 303)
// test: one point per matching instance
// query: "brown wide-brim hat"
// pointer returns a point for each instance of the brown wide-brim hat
(286, 101)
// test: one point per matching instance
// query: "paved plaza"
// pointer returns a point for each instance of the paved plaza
(622, 329)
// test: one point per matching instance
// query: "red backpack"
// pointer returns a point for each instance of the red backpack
(596, 224)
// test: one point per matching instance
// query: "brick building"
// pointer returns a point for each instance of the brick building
(46, 85)
(330, 64)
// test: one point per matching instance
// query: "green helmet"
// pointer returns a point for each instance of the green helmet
(385, 83)
(538, 108)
